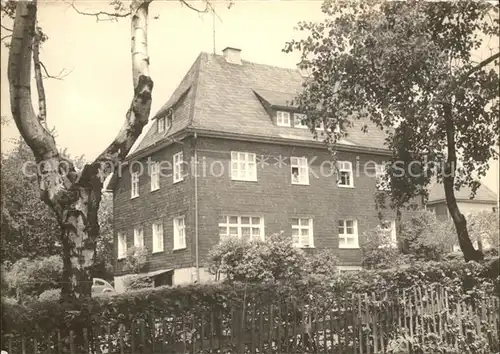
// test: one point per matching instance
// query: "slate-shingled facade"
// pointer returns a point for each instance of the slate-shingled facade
(225, 115)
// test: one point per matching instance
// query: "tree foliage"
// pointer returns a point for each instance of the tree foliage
(408, 67)
(484, 227)
(30, 277)
(29, 228)
(426, 238)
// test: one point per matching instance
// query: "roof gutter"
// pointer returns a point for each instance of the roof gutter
(287, 141)
(160, 144)
(437, 201)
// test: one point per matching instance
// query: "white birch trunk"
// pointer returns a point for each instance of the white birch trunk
(75, 197)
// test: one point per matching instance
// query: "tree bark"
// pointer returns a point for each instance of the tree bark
(74, 196)
(470, 254)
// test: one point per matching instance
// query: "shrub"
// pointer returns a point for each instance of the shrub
(459, 278)
(484, 227)
(321, 265)
(50, 295)
(136, 260)
(257, 261)
(377, 251)
(137, 282)
(428, 238)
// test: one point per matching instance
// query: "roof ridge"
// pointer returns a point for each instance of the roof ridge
(488, 190)
(176, 90)
(196, 87)
(255, 63)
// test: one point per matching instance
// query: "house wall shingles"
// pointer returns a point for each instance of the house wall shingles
(274, 197)
(169, 201)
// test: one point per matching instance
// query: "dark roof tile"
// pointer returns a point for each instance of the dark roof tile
(222, 97)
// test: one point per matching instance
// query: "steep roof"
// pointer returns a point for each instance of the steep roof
(223, 97)
(483, 194)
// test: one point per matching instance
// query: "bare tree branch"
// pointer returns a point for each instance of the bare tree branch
(205, 10)
(112, 16)
(62, 74)
(42, 104)
(5, 37)
(477, 67)
(5, 28)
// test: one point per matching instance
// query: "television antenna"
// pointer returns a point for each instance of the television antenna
(214, 16)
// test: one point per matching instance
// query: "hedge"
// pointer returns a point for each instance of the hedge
(459, 278)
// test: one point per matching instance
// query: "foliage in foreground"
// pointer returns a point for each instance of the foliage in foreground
(274, 259)
(459, 278)
(425, 238)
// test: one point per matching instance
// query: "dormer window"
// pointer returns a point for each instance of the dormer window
(320, 126)
(283, 119)
(299, 121)
(160, 124)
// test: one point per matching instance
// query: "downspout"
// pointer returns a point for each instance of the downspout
(196, 241)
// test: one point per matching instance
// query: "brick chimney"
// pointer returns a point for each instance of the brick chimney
(232, 55)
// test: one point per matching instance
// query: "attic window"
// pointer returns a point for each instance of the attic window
(165, 122)
(160, 124)
(299, 121)
(283, 119)
(170, 117)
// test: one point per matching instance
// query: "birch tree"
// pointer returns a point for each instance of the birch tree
(74, 195)
(408, 67)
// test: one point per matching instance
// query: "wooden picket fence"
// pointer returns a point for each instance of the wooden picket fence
(357, 324)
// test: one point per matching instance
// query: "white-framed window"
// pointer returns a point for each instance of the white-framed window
(302, 232)
(178, 162)
(160, 125)
(155, 176)
(319, 125)
(179, 233)
(243, 166)
(381, 177)
(157, 237)
(348, 234)
(388, 229)
(299, 170)
(122, 245)
(299, 121)
(283, 119)
(243, 227)
(138, 237)
(134, 185)
(345, 174)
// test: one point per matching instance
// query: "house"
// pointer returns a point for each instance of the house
(228, 156)
(484, 200)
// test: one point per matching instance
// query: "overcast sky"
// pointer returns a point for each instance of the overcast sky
(88, 106)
